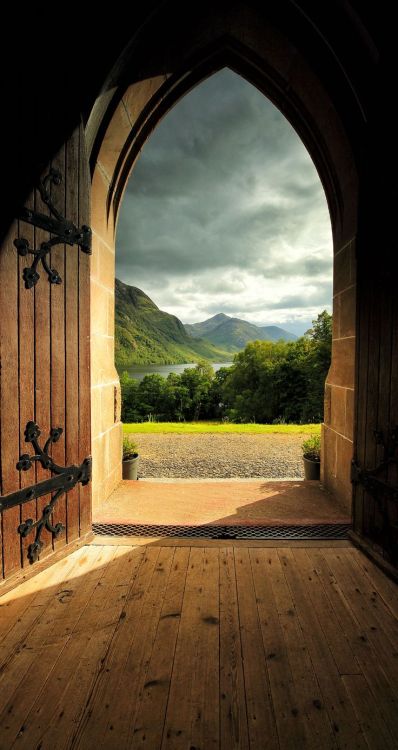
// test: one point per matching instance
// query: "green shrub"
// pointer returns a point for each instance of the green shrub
(129, 447)
(312, 448)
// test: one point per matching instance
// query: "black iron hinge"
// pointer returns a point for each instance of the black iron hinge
(64, 479)
(63, 231)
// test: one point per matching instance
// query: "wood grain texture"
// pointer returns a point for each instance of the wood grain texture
(45, 357)
(84, 336)
(174, 646)
(9, 294)
(57, 340)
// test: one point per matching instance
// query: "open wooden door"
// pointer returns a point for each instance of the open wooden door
(45, 363)
(375, 467)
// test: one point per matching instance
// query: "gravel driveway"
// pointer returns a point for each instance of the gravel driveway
(219, 456)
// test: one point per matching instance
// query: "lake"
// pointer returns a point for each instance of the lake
(139, 371)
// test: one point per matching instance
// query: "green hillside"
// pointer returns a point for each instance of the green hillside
(146, 335)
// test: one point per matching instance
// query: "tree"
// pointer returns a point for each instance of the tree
(268, 382)
(198, 381)
(322, 329)
(152, 395)
(130, 399)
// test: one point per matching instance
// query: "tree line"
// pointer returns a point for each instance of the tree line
(268, 382)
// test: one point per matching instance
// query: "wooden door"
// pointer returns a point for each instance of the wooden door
(375, 471)
(45, 378)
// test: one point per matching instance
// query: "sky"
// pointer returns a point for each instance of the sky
(224, 212)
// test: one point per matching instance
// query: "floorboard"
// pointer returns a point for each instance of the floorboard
(224, 646)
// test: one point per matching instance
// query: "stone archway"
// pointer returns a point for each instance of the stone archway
(145, 86)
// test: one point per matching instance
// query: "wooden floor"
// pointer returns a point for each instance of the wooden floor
(224, 646)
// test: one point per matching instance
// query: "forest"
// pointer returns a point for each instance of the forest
(269, 382)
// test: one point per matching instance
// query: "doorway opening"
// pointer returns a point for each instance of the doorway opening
(223, 252)
(142, 103)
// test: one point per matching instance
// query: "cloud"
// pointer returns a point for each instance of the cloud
(224, 209)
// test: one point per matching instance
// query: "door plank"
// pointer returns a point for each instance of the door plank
(9, 400)
(72, 332)
(57, 346)
(84, 444)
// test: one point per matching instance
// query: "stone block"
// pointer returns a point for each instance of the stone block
(115, 445)
(342, 371)
(95, 412)
(343, 472)
(138, 95)
(347, 312)
(102, 360)
(338, 409)
(99, 450)
(349, 413)
(99, 309)
(114, 140)
(107, 407)
(336, 317)
(106, 268)
(111, 314)
(327, 404)
(344, 268)
(99, 198)
(329, 455)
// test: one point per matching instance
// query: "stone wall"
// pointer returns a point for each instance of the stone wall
(338, 428)
(106, 426)
(307, 105)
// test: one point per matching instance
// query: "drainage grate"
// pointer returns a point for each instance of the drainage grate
(320, 531)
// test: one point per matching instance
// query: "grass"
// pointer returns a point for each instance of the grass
(185, 428)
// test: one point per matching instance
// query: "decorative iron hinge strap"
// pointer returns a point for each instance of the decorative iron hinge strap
(66, 477)
(63, 231)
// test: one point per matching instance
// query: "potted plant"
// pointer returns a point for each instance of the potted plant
(312, 457)
(130, 459)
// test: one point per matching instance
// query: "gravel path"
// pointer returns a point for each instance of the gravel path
(219, 456)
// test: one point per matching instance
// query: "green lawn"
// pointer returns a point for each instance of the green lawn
(198, 427)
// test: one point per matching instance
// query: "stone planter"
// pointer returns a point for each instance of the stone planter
(130, 467)
(312, 469)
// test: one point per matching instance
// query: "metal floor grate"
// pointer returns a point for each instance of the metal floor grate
(316, 531)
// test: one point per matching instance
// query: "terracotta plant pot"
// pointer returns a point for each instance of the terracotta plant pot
(130, 467)
(312, 469)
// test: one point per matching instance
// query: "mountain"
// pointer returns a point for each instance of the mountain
(202, 329)
(233, 334)
(146, 335)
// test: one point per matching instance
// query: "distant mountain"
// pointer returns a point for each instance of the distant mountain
(233, 334)
(274, 333)
(202, 329)
(146, 335)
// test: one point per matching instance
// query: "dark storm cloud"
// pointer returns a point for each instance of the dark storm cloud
(223, 184)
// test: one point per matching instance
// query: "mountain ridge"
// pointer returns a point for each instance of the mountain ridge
(234, 333)
(145, 335)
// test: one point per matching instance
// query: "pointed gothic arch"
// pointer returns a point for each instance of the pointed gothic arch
(118, 131)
